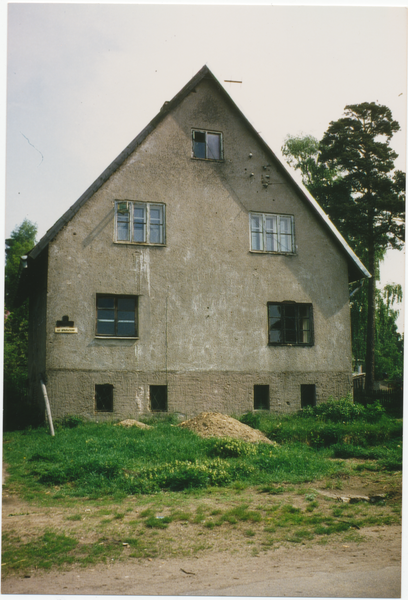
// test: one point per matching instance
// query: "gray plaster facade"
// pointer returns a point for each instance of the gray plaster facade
(202, 291)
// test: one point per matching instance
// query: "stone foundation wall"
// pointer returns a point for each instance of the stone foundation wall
(188, 393)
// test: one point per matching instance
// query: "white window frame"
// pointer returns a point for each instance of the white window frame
(147, 207)
(207, 132)
(264, 231)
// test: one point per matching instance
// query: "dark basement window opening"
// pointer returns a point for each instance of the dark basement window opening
(104, 397)
(158, 398)
(261, 397)
(307, 395)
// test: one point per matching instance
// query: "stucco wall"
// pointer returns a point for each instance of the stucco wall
(203, 296)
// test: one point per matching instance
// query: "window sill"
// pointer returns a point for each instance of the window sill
(139, 244)
(212, 160)
(290, 345)
(113, 337)
(272, 252)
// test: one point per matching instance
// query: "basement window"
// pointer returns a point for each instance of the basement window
(116, 316)
(261, 397)
(104, 397)
(140, 222)
(272, 233)
(307, 395)
(290, 324)
(207, 145)
(158, 398)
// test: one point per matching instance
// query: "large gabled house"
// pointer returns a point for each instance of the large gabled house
(194, 274)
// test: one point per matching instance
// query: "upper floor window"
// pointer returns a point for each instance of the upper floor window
(272, 233)
(116, 316)
(207, 144)
(290, 324)
(140, 222)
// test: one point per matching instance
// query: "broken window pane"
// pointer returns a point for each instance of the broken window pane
(199, 144)
(207, 145)
(290, 323)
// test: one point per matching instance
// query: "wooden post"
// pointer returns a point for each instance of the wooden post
(47, 406)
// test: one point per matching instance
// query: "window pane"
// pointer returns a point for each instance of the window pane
(156, 225)
(290, 336)
(126, 304)
(271, 233)
(156, 234)
(199, 144)
(271, 224)
(275, 310)
(275, 337)
(156, 215)
(126, 328)
(256, 232)
(285, 225)
(106, 302)
(256, 243)
(214, 146)
(106, 328)
(139, 223)
(106, 315)
(275, 323)
(286, 243)
(285, 229)
(122, 224)
(139, 232)
(271, 242)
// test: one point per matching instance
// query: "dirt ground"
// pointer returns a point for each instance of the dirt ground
(370, 566)
(216, 574)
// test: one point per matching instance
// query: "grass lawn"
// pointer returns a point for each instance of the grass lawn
(103, 492)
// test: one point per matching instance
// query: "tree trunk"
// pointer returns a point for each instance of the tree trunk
(370, 361)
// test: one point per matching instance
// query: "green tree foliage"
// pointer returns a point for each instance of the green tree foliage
(351, 174)
(20, 242)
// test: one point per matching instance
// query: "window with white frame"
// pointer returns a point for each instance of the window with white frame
(207, 144)
(272, 233)
(139, 222)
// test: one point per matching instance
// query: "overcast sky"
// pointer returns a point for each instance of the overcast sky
(84, 79)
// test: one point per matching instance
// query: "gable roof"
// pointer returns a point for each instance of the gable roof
(356, 268)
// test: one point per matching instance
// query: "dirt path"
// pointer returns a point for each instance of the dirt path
(369, 569)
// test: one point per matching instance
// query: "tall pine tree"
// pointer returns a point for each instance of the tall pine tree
(351, 174)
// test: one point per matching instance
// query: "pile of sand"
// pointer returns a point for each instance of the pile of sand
(209, 424)
(133, 423)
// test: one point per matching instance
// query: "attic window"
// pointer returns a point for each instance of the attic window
(207, 145)
(272, 233)
(290, 324)
(140, 222)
